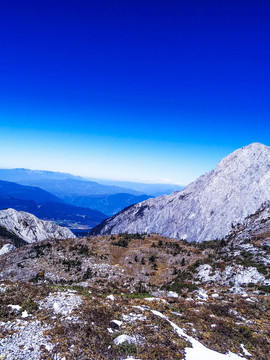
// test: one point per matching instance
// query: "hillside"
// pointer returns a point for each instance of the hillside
(207, 208)
(17, 225)
(145, 296)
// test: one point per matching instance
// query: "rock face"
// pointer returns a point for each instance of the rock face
(7, 248)
(30, 228)
(205, 209)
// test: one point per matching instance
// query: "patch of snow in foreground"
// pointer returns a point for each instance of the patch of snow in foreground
(124, 338)
(15, 307)
(172, 294)
(133, 317)
(25, 314)
(245, 350)
(198, 350)
(3, 288)
(202, 294)
(152, 299)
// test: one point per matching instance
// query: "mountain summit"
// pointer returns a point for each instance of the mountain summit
(207, 208)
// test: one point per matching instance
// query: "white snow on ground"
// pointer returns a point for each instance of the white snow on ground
(3, 288)
(111, 297)
(61, 303)
(25, 342)
(202, 294)
(198, 350)
(172, 294)
(125, 338)
(15, 307)
(245, 350)
(133, 317)
(151, 299)
(7, 248)
(25, 314)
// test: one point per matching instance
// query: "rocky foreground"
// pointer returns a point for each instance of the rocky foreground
(139, 297)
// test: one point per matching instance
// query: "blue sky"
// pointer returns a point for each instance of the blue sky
(133, 90)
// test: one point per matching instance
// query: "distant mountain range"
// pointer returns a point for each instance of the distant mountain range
(46, 206)
(11, 189)
(153, 190)
(107, 197)
(108, 204)
(61, 183)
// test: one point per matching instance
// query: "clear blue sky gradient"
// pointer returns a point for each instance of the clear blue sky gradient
(133, 90)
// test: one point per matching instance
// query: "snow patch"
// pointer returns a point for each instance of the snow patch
(245, 350)
(202, 294)
(198, 350)
(172, 294)
(15, 307)
(124, 338)
(133, 317)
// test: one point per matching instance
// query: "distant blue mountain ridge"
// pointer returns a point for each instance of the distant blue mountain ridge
(108, 198)
(46, 206)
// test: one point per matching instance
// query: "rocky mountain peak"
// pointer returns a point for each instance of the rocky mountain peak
(30, 228)
(205, 209)
(246, 157)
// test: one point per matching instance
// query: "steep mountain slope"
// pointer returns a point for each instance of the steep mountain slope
(31, 229)
(206, 209)
(107, 204)
(8, 237)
